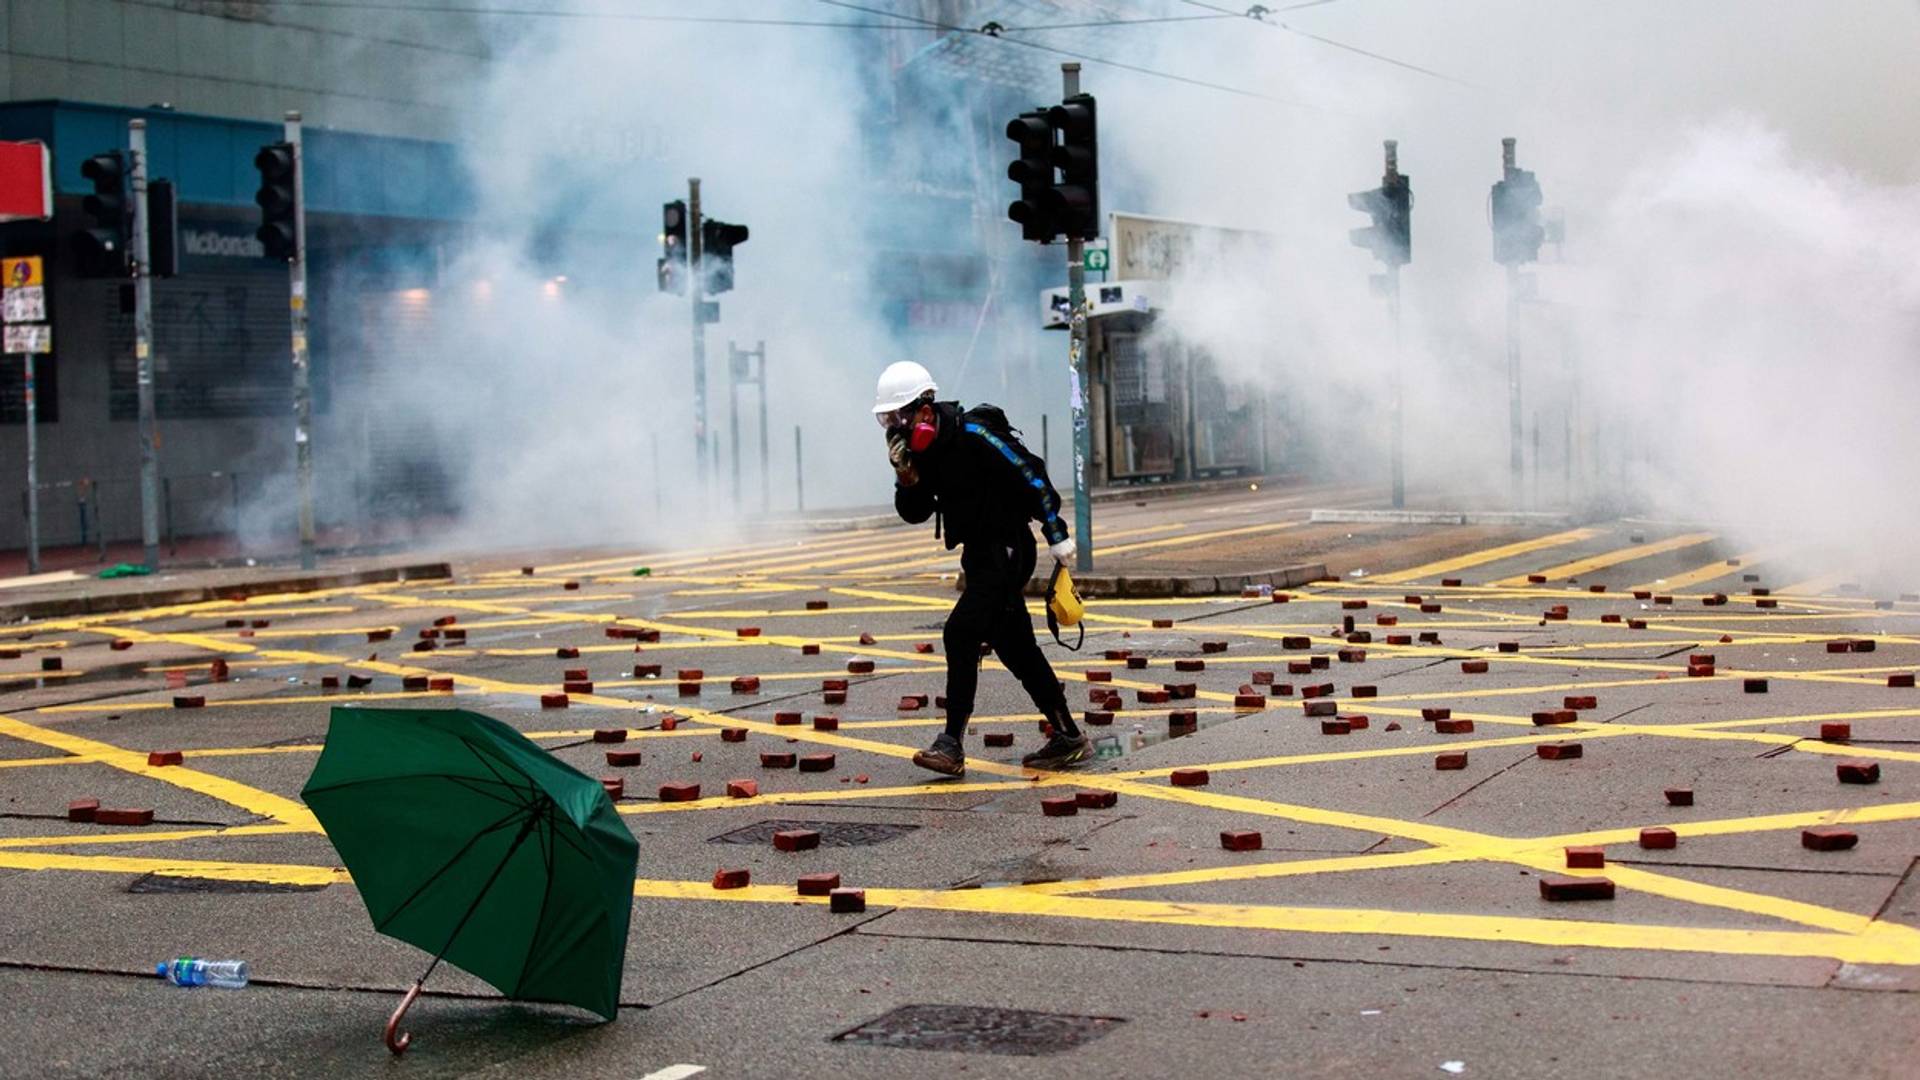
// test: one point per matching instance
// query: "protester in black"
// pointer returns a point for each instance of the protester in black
(969, 471)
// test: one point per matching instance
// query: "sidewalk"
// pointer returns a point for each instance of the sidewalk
(51, 597)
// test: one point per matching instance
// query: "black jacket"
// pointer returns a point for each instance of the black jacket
(982, 480)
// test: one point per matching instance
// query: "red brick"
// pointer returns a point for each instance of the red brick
(1240, 840)
(1386, 620)
(732, 879)
(429, 633)
(816, 605)
(1832, 732)
(1900, 680)
(834, 697)
(614, 786)
(1436, 714)
(1321, 707)
(668, 723)
(796, 840)
(1858, 772)
(769, 760)
(1213, 646)
(1355, 721)
(1701, 658)
(1766, 603)
(1353, 656)
(1658, 839)
(1839, 646)
(329, 682)
(189, 701)
(1353, 605)
(610, 735)
(1399, 639)
(1555, 716)
(1507, 646)
(1577, 703)
(575, 674)
(1586, 858)
(690, 689)
(1163, 624)
(1662, 599)
(679, 792)
(1188, 778)
(1865, 645)
(1636, 624)
(623, 759)
(1152, 697)
(1828, 838)
(746, 684)
(121, 645)
(868, 639)
(570, 586)
(742, 789)
(1559, 751)
(860, 667)
(1099, 676)
(1754, 686)
(122, 816)
(1610, 617)
(810, 649)
(82, 809)
(566, 652)
(1261, 678)
(1291, 641)
(847, 901)
(746, 631)
(1335, 727)
(1281, 598)
(1596, 588)
(1430, 608)
(1473, 667)
(1451, 582)
(817, 884)
(646, 671)
(998, 738)
(1699, 671)
(912, 702)
(1453, 727)
(553, 701)
(1096, 800)
(1099, 718)
(1189, 665)
(1536, 579)
(826, 722)
(1454, 759)
(1679, 796)
(379, 635)
(1575, 888)
(1061, 806)
(816, 762)
(577, 686)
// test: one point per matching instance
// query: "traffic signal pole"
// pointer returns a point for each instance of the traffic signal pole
(1398, 408)
(143, 350)
(1514, 450)
(302, 379)
(699, 335)
(1077, 373)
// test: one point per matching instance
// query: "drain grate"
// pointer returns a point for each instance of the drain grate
(976, 1029)
(832, 833)
(171, 883)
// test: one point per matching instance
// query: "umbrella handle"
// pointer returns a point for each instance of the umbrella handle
(405, 1038)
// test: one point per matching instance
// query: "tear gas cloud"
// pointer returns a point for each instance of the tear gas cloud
(1724, 335)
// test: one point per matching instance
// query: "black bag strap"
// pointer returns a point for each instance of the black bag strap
(1053, 623)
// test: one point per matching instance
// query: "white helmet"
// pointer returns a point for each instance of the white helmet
(900, 385)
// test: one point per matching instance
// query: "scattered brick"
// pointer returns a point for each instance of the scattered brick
(860, 667)
(1900, 680)
(1699, 671)
(1399, 639)
(1060, 806)
(1249, 701)
(82, 809)
(1353, 605)
(1453, 759)
(570, 586)
(1240, 840)
(1335, 727)
(122, 816)
(1754, 686)
(1575, 888)
(1320, 707)
(567, 652)
(189, 701)
(623, 759)
(1636, 624)
(746, 631)
(1356, 721)
(1658, 839)
(1213, 646)
(847, 901)
(674, 792)
(1536, 579)
(816, 763)
(1431, 715)
(1295, 642)
(1360, 637)
(811, 648)
(614, 786)
(1389, 620)
(732, 879)
(1152, 697)
(1189, 665)
(1766, 603)
(1096, 800)
(1828, 838)
(1839, 646)
(1836, 732)
(1365, 691)
(1353, 656)
(1610, 617)
(1136, 663)
(998, 738)
(1679, 796)
(1188, 778)
(1473, 667)
(359, 682)
(1451, 582)
(1556, 716)
(1560, 751)
(796, 840)
(1858, 772)
(1320, 663)
(158, 758)
(690, 689)
(1586, 858)
(646, 671)
(1100, 718)
(1163, 624)
(742, 789)
(1453, 727)
(1578, 702)
(817, 884)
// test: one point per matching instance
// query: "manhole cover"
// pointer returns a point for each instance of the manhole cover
(832, 833)
(170, 883)
(974, 1029)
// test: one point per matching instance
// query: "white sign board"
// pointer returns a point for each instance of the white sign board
(1159, 249)
(29, 338)
(28, 303)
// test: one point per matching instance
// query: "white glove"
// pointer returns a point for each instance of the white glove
(1062, 552)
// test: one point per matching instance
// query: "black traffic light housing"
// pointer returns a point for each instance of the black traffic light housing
(277, 232)
(1390, 205)
(1076, 198)
(163, 228)
(1515, 210)
(104, 247)
(672, 265)
(1032, 169)
(717, 241)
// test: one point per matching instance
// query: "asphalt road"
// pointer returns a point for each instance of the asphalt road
(1391, 923)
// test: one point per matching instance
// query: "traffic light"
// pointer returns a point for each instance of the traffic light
(1076, 198)
(103, 248)
(1515, 209)
(717, 240)
(672, 265)
(277, 232)
(163, 228)
(1033, 171)
(1390, 205)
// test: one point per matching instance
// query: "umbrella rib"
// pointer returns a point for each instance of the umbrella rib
(448, 865)
(409, 778)
(531, 788)
(547, 849)
(533, 820)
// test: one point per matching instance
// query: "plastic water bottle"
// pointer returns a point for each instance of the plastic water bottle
(192, 971)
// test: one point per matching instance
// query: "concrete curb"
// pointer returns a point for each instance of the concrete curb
(1147, 585)
(1440, 517)
(166, 595)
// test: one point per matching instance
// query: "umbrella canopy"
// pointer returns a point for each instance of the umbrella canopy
(474, 844)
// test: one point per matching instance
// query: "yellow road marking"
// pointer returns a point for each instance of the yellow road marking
(1611, 558)
(1481, 558)
(1699, 575)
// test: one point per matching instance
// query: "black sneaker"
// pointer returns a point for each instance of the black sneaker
(1060, 753)
(944, 756)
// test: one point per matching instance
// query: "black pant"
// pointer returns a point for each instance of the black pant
(993, 610)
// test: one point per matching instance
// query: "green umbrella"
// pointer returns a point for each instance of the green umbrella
(469, 841)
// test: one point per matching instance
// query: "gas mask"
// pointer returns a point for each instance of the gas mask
(924, 426)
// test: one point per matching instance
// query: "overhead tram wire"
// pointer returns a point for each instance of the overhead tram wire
(931, 24)
(402, 7)
(1256, 14)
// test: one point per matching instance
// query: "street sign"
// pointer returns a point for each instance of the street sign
(25, 304)
(29, 338)
(20, 272)
(1096, 259)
